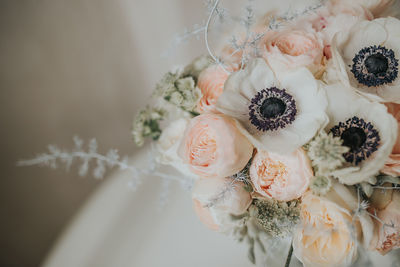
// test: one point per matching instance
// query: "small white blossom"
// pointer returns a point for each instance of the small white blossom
(326, 152)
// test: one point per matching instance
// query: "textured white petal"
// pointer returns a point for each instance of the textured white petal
(363, 34)
(345, 104)
(242, 86)
(310, 99)
(305, 88)
(233, 104)
(380, 32)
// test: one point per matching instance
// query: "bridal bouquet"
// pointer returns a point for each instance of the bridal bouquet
(289, 131)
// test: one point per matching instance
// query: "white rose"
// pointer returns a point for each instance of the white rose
(167, 146)
(215, 199)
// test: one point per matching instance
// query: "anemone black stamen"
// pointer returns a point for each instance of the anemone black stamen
(375, 66)
(271, 109)
(360, 136)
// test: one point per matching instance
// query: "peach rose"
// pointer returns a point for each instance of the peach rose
(215, 199)
(342, 16)
(211, 83)
(291, 49)
(328, 235)
(392, 165)
(213, 146)
(231, 56)
(387, 237)
(335, 17)
(283, 178)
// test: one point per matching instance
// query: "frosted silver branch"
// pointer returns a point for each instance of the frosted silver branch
(229, 187)
(207, 27)
(110, 160)
(195, 32)
(277, 22)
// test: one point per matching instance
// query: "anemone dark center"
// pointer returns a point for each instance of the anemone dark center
(272, 107)
(353, 138)
(377, 64)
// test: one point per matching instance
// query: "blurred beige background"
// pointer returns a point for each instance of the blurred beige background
(84, 68)
(72, 67)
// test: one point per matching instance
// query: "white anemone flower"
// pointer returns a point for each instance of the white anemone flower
(367, 58)
(280, 113)
(366, 128)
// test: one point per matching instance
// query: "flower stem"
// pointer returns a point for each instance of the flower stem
(289, 257)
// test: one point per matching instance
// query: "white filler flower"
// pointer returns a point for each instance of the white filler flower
(280, 113)
(365, 127)
(367, 57)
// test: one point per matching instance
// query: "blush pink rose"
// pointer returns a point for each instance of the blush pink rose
(392, 165)
(211, 83)
(290, 49)
(341, 18)
(388, 237)
(279, 177)
(336, 16)
(214, 146)
(215, 199)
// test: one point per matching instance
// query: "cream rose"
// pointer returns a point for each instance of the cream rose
(291, 49)
(211, 83)
(281, 177)
(213, 146)
(328, 235)
(167, 146)
(215, 199)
